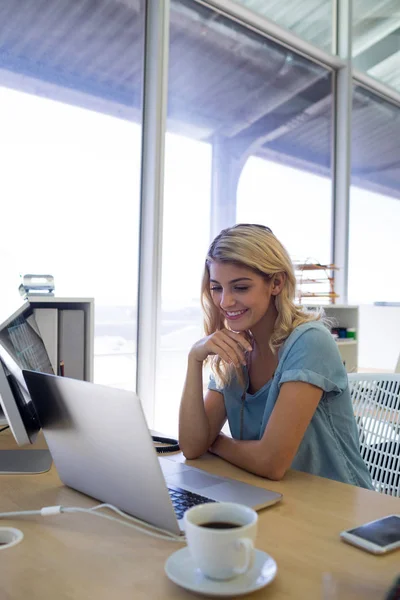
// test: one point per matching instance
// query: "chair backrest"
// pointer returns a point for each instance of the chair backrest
(376, 404)
(397, 368)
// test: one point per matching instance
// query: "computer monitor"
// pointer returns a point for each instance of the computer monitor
(21, 347)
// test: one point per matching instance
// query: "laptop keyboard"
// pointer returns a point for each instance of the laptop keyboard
(182, 500)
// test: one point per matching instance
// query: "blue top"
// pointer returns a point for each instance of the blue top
(330, 446)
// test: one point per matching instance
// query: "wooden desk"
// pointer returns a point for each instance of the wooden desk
(81, 557)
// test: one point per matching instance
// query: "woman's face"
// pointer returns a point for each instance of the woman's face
(241, 295)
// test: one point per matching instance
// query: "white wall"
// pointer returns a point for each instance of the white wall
(379, 337)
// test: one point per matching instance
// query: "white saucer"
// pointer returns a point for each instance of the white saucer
(180, 569)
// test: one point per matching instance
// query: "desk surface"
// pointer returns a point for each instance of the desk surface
(81, 557)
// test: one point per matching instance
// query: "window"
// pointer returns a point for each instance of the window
(286, 182)
(235, 98)
(374, 247)
(295, 204)
(376, 39)
(70, 121)
(185, 241)
(311, 20)
(375, 200)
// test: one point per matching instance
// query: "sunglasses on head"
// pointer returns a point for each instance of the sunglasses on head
(264, 227)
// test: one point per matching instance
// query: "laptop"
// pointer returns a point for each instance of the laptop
(101, 446)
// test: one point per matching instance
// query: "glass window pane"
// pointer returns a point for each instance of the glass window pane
(288, 176)
(311, 20)
(374, 246)
(70, 122)
(283, 198)
(376, 39)
(186, 217)
(375, 198)
(233, 94)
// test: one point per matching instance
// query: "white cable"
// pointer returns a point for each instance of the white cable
(51, 510)
(139, 525)
(19, 514)
(164, 535)
(134, 519)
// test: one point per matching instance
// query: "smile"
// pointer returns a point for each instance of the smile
(234, 314)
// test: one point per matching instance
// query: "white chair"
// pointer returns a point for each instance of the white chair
(376, 404)
(397, 369)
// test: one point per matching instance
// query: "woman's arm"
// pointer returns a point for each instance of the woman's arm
(200, 420)
(272, 456)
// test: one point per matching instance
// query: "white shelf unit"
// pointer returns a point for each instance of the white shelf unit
(84, 304)
(344, 315)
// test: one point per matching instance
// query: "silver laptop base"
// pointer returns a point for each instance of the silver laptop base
(24, 461)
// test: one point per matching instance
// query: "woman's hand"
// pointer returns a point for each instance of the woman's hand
(216, 445)
(229, 345)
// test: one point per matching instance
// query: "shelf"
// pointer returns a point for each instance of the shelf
(319, 295)
(344, 306)
(313, 281)
(314, 267)
(309, 275)
(342, 315)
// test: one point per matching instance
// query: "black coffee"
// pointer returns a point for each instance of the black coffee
(219, 525)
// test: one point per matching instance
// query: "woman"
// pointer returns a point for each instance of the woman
(277, 373)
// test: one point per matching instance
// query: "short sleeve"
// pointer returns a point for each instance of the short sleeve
(212, 384)
(314, 358)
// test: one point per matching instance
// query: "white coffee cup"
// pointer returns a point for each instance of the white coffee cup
(220, 551)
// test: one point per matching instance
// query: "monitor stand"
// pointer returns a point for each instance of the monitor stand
(20, 462)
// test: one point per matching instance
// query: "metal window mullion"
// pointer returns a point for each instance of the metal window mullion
(342, 149)
(379, 88)
(151, 200)
(267, 27)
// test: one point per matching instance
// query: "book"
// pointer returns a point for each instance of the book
(71, 342)
(47, 324)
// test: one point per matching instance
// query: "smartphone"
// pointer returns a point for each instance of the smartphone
(378, 537)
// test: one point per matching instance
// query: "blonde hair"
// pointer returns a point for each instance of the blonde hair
(257, 248)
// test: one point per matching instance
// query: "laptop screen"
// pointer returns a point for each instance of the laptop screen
(21, 347)
(21, 338)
